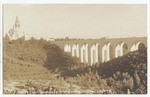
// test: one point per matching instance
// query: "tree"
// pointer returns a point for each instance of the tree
(136, 80)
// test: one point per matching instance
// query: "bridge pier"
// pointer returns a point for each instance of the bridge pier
(75, 50)
(94, 53)
(84, 53)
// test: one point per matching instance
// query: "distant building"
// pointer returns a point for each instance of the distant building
(51, 39)
(15, 32)
(27, 37)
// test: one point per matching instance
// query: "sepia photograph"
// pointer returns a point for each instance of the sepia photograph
(74, 48)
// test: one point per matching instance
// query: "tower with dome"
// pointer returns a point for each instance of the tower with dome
(15, 32)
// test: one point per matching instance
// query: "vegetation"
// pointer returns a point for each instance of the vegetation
(40, 67)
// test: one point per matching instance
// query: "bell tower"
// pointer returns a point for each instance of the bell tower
(17, 23)
(15, 32)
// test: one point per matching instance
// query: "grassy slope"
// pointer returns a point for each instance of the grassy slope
(34, 60)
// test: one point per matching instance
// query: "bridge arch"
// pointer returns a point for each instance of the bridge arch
(75, 50)
(121, 49)
(137, 46)
(141, 46)
(67, 48)
(84, 53)
(94, 53)
(106, 52)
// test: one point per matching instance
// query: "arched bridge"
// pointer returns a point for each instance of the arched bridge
(100, 50)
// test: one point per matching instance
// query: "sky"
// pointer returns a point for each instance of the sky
(78, 20)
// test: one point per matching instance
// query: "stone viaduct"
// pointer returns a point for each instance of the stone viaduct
(92, 51)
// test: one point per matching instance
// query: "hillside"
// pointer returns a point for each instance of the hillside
(122, 73)
(46, 63)
(34, 59)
